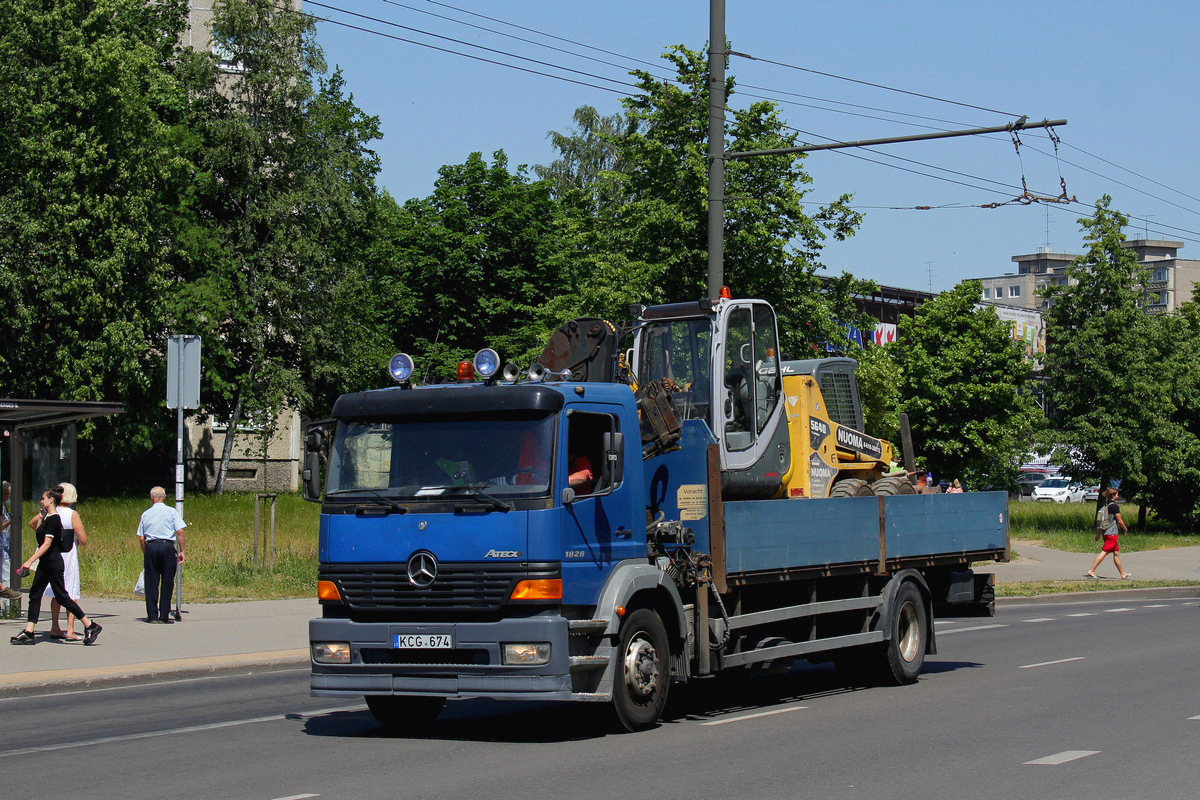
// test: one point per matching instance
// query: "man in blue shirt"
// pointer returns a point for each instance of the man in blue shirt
(161, 527)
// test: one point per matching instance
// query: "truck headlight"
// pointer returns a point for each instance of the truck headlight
(528, 654)
(331, 652)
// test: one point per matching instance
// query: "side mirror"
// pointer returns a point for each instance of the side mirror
(568, 496)
(613, 469)
(312, 476)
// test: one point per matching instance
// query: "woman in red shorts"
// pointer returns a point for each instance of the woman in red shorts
(1110, 537)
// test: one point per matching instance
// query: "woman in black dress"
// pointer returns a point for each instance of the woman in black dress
(51, 542)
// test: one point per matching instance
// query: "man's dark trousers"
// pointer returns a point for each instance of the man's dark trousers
(160, 565)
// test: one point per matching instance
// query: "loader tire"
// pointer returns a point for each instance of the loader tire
(851, 487)
(893, 485)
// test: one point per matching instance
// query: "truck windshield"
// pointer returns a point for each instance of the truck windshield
(425, 459)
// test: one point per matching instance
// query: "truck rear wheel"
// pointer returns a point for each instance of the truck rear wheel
(404, 711)
(893, 485)
(851, 487)
(904, 652)
(643, 674)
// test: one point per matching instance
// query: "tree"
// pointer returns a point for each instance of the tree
(282, 220)
(965, 388)
(89, 173)
(1104, 379)
(634, 226)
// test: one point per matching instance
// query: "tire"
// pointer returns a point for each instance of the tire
(904, 652)
(851, 487)
(400, 712)
(893, 485)
(643, 671)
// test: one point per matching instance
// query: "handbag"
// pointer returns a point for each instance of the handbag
(139, 588)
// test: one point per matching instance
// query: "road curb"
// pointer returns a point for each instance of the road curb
(1160, 592)
(27, 684)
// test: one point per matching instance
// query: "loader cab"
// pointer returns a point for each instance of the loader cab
(723, 357)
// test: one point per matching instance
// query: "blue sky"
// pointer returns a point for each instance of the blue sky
(1125, 76)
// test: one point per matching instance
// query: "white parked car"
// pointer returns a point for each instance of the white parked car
(1059, 490)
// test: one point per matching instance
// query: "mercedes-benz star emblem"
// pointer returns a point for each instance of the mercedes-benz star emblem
(422, 569)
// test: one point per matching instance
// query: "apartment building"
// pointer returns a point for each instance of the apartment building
(1172, 279)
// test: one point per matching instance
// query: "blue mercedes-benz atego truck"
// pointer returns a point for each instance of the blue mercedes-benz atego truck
(611, 522)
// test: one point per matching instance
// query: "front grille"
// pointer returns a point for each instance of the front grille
(458, 587)
(379, 655)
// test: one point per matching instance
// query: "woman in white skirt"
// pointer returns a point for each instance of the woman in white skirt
(72, 522)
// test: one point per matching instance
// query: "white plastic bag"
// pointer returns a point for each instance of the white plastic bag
(139, 588)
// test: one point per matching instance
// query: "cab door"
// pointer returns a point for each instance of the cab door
(747, 387)
(595, 528)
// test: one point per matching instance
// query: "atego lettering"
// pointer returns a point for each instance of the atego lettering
(859, 442)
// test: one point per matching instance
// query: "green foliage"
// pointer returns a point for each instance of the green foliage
(635, 227)
(879, 380)
(965, 389)
(1123, 384)
(278, 241)
(89, 174)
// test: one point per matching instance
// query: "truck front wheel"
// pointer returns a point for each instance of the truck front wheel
(643, 674)
(399, 711)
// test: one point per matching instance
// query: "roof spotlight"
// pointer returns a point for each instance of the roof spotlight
(401, 367)
(487, 362)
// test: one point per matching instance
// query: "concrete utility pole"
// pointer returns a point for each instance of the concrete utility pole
(717, 156)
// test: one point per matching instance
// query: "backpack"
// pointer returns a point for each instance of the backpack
(1102, 518)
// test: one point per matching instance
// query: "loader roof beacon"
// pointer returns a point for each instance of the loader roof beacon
(737, 514)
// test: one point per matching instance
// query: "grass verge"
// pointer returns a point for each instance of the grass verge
(220, 548)
(1070, 527)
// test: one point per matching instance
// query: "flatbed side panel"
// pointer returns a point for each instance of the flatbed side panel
(773, 534)
(768, 535)
(923, 524)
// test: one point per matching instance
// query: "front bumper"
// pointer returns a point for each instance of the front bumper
(473, 668)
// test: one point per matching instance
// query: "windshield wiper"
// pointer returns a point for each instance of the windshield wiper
(374, 492)
(477, 492)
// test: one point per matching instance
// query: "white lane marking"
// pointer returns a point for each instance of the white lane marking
(1064, 757)
(1116, 610)
(297, 797)
(744, 717)
(1157, 605)
(249, 671)
(974, 628)
(1051, 663)
(1039, 619)
(212, 726)
(1083, 614)
(1195, 717)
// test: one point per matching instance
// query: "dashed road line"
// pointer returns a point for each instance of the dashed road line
(212, 726)
(745, 717)
(1116, 610)
(1083, 614)
(1063, 757)
(297, 797)
(1039, 619)
(1051, 663)
(972, 628)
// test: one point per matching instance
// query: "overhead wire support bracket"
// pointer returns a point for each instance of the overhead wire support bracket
(1019, 125)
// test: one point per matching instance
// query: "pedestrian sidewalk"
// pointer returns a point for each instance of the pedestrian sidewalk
(216, 638)
(212, 638)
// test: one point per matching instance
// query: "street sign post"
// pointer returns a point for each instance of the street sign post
(183, 391)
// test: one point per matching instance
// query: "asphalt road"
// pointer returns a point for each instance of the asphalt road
(1060, 700)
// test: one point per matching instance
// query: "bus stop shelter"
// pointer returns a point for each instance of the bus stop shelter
(22, 418)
